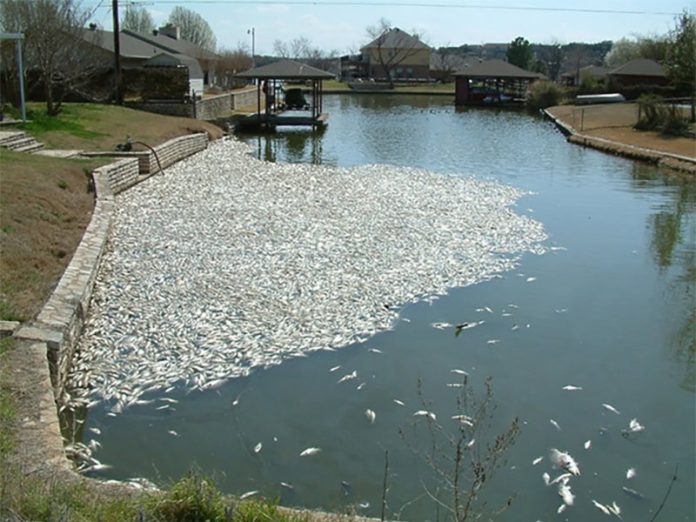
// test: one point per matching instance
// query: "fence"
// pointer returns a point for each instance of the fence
(620, 114)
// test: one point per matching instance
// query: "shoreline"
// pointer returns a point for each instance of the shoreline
(681, 163)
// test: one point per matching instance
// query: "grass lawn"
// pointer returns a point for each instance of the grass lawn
(95, 127)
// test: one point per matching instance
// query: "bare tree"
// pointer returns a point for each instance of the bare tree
(391, 47)
(464, 459)
(193, 27)
(303, 50)
(233, 61)
(58, 53)
(137, 19)
(552, 55)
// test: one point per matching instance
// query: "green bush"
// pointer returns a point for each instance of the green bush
(191, 499)
(543, 94)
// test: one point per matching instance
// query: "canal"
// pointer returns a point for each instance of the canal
(610, 308)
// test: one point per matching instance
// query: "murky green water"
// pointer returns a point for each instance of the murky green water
(614, 312)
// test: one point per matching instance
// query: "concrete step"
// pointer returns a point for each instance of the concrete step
(20, 143)
(8, 137)
(32, 147)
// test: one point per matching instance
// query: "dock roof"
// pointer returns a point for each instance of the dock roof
(639, 67)
(496, 69)
(286, 70)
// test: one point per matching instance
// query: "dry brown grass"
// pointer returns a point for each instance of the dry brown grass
(615, 122)
(44, 209)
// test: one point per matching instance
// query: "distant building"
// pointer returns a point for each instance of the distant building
(492, 82)
(573, 78)
(396, 53)
(444, 65)
(639, 72)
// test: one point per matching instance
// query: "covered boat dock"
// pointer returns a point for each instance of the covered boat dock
(278, 107)
(493, 82)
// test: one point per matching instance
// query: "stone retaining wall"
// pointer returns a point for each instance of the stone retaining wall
(246, 98)
(213, 107)
(209, 109)
(167, 108)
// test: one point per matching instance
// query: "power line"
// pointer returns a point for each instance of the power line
(378, 3)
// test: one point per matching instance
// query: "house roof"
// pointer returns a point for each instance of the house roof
(286, 70)
(129, 47)
(396, 39)
(496, 69)
(640, 67)
(172, 45)
(168, 60)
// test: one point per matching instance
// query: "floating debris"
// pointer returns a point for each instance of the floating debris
(229, 263)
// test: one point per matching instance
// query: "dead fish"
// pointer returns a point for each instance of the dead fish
(537, 461)
(493, 341)
(561, 508)
(95, 430)
(459, 372)
(335, 368)
(172, 432)
(563, 478)
(425, 413)
(615, 509)
(604, 509)
(371, 415)
(570, 387)
(348, 377)
(248, 494)
(611, 408)
(633, 427)
(555, 424)
(547, 478)
(530, 279)
(258, 447)
(588, 444)
(470, 443)
(563, 460)
(375, 350)
(566, 494)
(287, 486)
(400, 403)
(630, 473)
(441, 326)
(360, 386)
(309, 452)
(464, 419)
(632, 492)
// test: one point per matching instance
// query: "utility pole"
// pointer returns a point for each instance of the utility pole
(252, 32)
(118, 79)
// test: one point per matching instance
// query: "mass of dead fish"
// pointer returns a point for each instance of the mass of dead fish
(229, 263)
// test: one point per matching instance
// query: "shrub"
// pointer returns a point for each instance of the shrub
(543, 94)
(656, 115)
(191, 499)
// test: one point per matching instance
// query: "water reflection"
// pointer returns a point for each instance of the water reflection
(289, 145)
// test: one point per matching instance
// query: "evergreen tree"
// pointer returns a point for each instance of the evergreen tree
(519, 52)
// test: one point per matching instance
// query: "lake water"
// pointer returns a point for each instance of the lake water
(610, 308)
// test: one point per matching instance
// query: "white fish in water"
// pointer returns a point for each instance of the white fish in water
(634, 426)
(400, 403)
(470, 443)
(95, 430)
(566, 494)
(563, 478)
(459, 372)
(493, 341)
(632, 492)
(555, 424)
(335, 368)
(588, 444)
(464, 419)
(615, 509)
(172, 432)
(375, 350)
(349, 376)
(360, 386)
(530, 279)
(371, 415)
(611, 408)
(561, 508)
(425, 413)
(537, 461)
(441, 326)
(287, 486)
(630, 473)
(563, 460)
(309, 452)
(258, 447)
(547, 478)
(570, 387)
(604, 509)
(455, 385)
(248, 494)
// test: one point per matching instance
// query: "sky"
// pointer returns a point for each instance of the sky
(342, 28)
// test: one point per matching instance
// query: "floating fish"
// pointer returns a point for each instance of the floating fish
(360, 386)
(493, 341)
(248, 494)
(464, 419)
(615, 509)
(555, 424)
(258, 447)
(309, 452)
(633, 427)
(371, 416)
(566, 494)
(537, 461)
(563, 460)
(570, 387)
(630, 473)
(604, 509)
(547, 478)
(375, 350)
(400, 403)
(95, 430)
(588, 444)
(348, 377)
(459, 372)
(335, 368)
(425, 413)
(632, 492)
(530, 279)
(441, 326)
(287, 485)
(611, 408)
(561, 508)
(172, 432)
(470, 443)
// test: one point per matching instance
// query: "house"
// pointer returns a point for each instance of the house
(138, 50)
(638, 72)
(492, 82)
(574, 78)
(396, 55)
(168, 39)
(444, 65)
